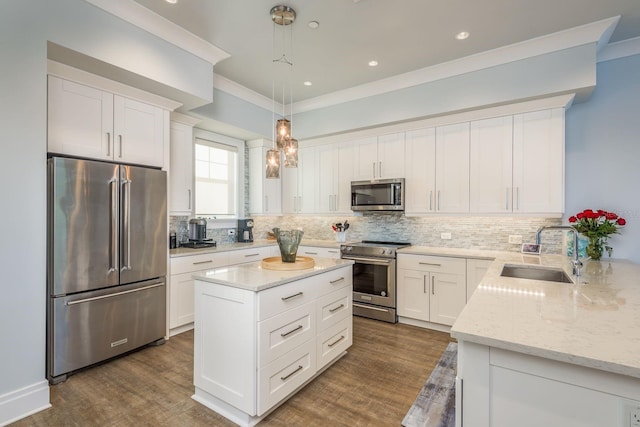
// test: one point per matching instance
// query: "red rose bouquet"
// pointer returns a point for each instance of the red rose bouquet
(597, 226)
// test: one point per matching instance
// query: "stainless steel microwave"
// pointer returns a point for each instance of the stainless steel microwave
(378, 195)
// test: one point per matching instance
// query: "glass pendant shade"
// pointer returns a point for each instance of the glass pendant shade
(291, 153)
(273, 164)
(283, 132)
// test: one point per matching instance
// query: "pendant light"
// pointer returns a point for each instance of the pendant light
(282, 16)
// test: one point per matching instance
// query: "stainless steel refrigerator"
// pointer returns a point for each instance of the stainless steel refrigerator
(106, 261)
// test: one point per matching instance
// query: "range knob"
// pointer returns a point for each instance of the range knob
(347, 248)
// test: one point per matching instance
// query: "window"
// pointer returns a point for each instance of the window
(218, 168)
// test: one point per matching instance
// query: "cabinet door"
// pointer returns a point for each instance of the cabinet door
(327, 179)
(538, 169)
(265, 196)
(307, 169)
(80, 120)
(138, 130)
(476, 269)
(448, 297)
(491, 165)
(366, 159)
(420, 160)
(345, 176)
(413, 294)
(452, 168)
(181, 171)
(391, 156)
(290, 198)
(181, 300)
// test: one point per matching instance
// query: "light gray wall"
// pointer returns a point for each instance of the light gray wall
(603, 151)
(25, 28)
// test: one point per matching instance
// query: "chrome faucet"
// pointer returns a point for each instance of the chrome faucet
(577, 264)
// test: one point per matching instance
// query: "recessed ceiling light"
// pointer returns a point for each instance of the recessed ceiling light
(172, 1)
(373, 63)
(462, 35)
(307, 83)
(313, 24)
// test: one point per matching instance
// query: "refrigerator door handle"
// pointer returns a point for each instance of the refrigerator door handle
(126, 224)
(117, 294)
(113, 243)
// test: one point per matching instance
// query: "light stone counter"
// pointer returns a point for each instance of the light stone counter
(253, 277)
(225, 247)
(454, 252)
(594, 324)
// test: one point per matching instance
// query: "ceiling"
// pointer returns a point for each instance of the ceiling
(402, 35)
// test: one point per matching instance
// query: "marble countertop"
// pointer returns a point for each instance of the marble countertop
(454, 252)
(594, 324)
(225, 247)
(253, 277)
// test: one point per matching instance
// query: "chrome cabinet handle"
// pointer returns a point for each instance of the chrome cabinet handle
(374, 169)
(311, 253)
(429, 263)
(286, 377)
(336, 341)
(431, 200)
(333, 310)
(189, 190)
(286, 334)
(379, 169)
(248, 255)
(120, 138)
(337, 280)
(108, 144)
(433, 292)
(299, 294)
(424, 284)
(438, 201)
(203, 262)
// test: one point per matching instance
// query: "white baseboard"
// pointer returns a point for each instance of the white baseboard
(23, 402)
(423, 324)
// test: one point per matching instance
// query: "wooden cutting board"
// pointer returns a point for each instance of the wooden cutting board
(275, 263)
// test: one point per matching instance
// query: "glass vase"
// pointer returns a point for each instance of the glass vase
(594, 248)
(288, 241)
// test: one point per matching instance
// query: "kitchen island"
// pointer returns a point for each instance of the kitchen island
(261, 335)
(538, 353)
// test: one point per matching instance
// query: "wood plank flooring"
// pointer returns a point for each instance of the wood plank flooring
(373, 385)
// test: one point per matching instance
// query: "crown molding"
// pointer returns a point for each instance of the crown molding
(620, 49)
(244, 93)
(140, 16)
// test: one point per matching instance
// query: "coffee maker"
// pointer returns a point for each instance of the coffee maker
(245, 230)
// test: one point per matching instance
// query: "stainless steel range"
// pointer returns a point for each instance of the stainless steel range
(374, 278)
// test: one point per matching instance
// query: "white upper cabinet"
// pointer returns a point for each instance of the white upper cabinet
(379, 157)
(88, 122)
(181, 169)
(538, 161)
(265, 195)
(452, 168)
(335, 171)
(420, 163)
(491, 165)
(299, 190)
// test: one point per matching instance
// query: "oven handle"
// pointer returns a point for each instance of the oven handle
(373, 261)
(370, 307)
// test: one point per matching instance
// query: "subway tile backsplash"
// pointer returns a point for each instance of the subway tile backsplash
(490, 233)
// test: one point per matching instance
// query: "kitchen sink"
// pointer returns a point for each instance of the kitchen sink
(535, 273)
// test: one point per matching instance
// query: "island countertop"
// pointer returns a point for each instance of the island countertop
(594, 324)
(252, 276)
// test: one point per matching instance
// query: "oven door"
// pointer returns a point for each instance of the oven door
(374, 281)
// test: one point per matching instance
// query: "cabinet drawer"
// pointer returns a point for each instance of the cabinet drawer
(282, 333)
(334, 280)
(285, 297)
(193, 263)
(251, 255)
(314, 252)
(280, 378)
(432, 263)
(332, 308)
(332, 342)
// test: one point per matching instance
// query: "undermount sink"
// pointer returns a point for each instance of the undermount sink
(535, 273)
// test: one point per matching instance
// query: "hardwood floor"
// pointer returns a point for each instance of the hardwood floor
(373, 385)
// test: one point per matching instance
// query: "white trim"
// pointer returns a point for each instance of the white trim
(64, 71)
(23, 402)
(244, 93)
(140, 16)
(620, 49)
(184, 119)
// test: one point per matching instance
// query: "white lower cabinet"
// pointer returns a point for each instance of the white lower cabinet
(476, 269)
(316, 251)
(253, 349)
(431, 288)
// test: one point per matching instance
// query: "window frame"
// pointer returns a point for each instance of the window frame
(239, 145)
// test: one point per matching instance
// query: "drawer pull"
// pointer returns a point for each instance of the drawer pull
(248, 255)
(336, 341)
(430, 263)
(203, 262)
(337, 280)
(333, 310)
(286, 377)
(311, 253)
(299, 294)
(286, 334)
